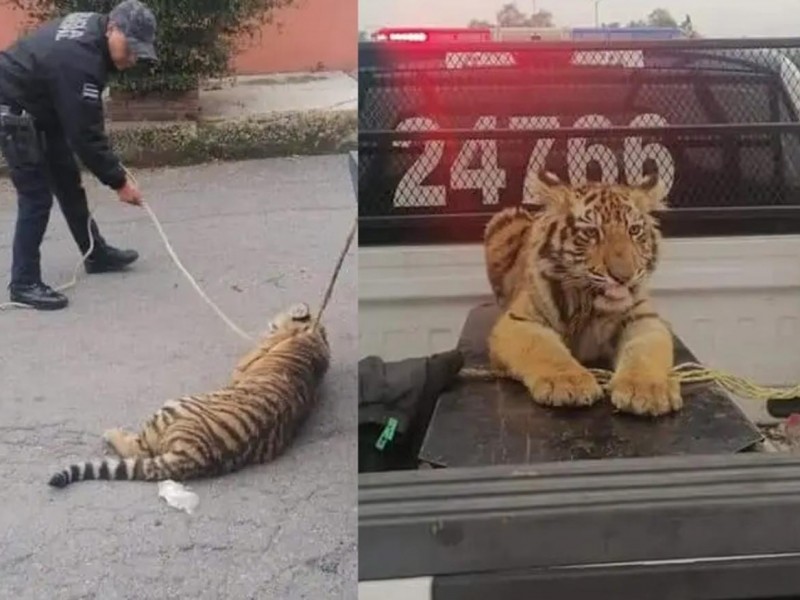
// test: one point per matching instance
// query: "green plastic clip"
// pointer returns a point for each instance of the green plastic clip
(387, 435)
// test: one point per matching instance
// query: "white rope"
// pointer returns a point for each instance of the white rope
(72, 282)
(165, 239)
(235, 328)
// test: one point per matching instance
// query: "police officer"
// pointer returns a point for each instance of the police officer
(51, 86)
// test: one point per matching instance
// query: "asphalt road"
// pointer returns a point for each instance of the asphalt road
(258, 236)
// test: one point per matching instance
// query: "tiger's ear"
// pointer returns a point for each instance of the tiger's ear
(650, 194)
(550, 191)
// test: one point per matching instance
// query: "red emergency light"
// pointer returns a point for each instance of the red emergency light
(432, 34)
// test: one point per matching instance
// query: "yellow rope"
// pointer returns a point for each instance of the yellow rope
(685, 373)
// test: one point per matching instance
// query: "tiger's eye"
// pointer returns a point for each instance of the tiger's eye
(635, 229)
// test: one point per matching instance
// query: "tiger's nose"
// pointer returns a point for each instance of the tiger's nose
(619, 278)
(620, 268)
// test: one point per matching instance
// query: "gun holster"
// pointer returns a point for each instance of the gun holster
(19, 137)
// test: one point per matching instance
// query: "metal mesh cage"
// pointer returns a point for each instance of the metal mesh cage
(447, 131)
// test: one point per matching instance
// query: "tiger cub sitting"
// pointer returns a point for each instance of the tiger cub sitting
(572, 280)
(250, 421)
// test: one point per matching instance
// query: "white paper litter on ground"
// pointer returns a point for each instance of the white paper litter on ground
(178, 496)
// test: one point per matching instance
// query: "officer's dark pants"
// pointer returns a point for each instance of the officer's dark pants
(55, 171)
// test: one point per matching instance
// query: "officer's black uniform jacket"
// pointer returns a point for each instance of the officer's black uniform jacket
(58, 74)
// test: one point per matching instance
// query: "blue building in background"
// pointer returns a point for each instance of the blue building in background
(626, 33)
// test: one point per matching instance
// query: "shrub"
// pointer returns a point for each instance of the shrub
(196, 38)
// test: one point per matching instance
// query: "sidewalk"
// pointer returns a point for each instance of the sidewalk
(265, 94)
(249, 117)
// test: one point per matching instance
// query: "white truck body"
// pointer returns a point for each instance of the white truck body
(735, 301)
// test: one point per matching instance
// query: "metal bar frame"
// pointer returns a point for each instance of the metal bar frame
(753, 578)
(541, 46)
(565, 524)
(419, 226)
(506, 77)
(386, 137)
(468, 228)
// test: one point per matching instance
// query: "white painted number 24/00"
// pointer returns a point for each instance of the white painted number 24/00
(489, 177)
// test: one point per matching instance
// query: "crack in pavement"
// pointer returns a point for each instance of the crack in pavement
(16, 560)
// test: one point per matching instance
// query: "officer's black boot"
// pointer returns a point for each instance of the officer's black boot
(107, 259)
(37, 295)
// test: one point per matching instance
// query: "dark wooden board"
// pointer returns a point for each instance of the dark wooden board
(480, 423)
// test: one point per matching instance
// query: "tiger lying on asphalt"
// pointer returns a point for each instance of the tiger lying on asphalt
(250, 421)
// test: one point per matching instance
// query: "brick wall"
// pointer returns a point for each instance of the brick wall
(311, 35)
(10, 22)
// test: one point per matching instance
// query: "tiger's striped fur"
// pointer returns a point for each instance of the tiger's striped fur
(250, 421)
(572, 280)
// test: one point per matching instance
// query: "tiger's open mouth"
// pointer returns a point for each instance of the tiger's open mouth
(614, 298)
(617, 292)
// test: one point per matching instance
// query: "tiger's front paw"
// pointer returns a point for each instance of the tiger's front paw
(645, 393)
(121, 442)
(113, 440)
(574, 386)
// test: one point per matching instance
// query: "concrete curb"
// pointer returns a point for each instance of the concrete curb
(297, 133)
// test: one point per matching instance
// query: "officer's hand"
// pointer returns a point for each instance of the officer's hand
(130, 194)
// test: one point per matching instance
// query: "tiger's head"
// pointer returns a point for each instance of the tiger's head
(599, 238)
(294, 323)
(291, 322)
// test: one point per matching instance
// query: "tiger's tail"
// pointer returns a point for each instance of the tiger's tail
(503, 240)
(164, 466)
